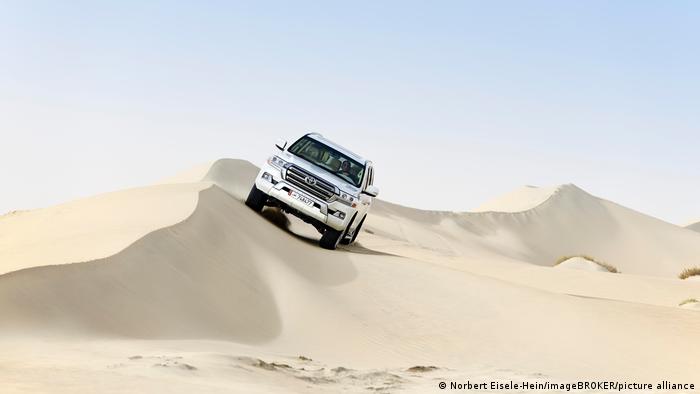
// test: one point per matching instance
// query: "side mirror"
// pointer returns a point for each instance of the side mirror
(371, 191)
(281, 144)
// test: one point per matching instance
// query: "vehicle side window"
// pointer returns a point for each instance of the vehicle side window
(370, 176)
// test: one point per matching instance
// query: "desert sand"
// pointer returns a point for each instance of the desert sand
(694, 226)
(581, 263)
(179, 287)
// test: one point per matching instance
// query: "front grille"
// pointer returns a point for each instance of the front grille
(310, 183)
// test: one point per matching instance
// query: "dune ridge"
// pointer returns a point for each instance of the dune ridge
(569, 222)
(694, 227)
(522, 199)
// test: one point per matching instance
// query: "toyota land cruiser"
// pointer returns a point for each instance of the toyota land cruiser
(320, 182)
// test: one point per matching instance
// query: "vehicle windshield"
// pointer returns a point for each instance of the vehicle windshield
(329, 159)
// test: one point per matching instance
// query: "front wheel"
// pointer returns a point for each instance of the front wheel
(256, 199)
(330, 238)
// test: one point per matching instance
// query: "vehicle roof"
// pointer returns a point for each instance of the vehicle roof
(350, 154)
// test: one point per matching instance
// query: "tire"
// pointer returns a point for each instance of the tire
(357, 231)
(256, 199)
(330, 238)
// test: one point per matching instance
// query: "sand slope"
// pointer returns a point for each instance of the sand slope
(568, 222)
(580, 263)
(216, 287)
(100, 226)
(93, 227)
(694, 226)
(521, 199)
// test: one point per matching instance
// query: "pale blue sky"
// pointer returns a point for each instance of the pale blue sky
(456, 102)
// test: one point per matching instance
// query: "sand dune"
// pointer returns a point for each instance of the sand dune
(569, 222)
(694, 226)
(91, 228)
(100, 226)
(522, 199)
(182, 285)
(581, 263)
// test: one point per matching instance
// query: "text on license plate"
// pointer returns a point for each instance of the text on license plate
(301, 198)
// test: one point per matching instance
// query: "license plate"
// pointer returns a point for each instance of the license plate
(301, 198)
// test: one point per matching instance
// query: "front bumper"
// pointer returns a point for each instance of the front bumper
(279, 189)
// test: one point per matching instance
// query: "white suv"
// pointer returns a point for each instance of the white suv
(320, 182)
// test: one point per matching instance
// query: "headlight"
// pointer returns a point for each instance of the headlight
(346, 198)
(275, 161)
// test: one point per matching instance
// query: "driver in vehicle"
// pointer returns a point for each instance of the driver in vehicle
(348, 171)
(345, 169)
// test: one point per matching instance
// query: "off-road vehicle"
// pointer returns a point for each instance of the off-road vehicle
(320, 182)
